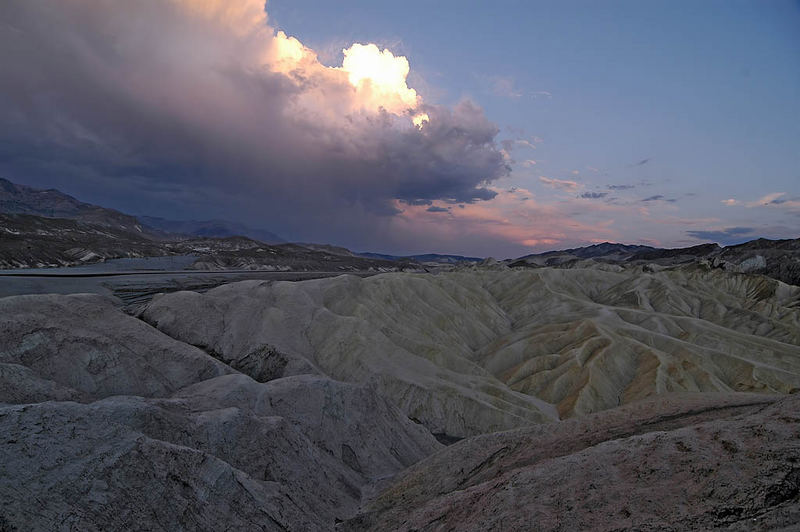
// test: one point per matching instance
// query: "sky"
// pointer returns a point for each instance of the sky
(480, 128)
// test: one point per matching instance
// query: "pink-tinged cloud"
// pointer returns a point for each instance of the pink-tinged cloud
(769, 199)
(514, 221)
(775, 200)
(562, 184)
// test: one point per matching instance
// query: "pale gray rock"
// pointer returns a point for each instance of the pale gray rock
(478, 350)
(165, 437)
(217, 455)
(753, 264)
(82, 347)
(409, 336)
(350, 422)
(124, 464)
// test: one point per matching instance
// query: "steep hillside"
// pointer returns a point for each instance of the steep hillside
(51, 203)
(28, 241)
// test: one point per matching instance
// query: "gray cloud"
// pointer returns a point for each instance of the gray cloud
(437, 209)
(620, 187)
(177, 116)
(781, 200)
(658, 197)
(593, 195)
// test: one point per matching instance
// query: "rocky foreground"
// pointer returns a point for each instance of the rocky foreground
(579, 398)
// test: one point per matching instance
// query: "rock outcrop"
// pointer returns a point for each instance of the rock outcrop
(108, 423)
(696, 462)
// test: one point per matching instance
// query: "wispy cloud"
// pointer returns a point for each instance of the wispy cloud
(620, 187)
(779, 200)
(562, 184)
(504, 86)
(775, 198)
(525, 144)
(658, 197)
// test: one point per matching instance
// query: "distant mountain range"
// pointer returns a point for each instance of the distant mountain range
(779, 259)
(428, 257)
(210, 228)
(45, 228)
(49, 228)
(52, 203)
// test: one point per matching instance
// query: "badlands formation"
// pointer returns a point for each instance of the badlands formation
(608, 397)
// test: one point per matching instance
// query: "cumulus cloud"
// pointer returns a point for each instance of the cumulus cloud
(189, 106)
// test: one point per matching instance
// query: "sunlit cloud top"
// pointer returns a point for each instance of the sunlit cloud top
(380, 75)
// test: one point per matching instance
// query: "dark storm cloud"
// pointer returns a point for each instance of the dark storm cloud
(151, 102)
(733, 235)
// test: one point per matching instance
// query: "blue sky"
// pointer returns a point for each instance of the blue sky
(549, 124)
